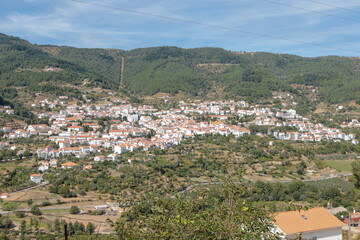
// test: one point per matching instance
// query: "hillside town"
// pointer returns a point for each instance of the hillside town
(77, 129)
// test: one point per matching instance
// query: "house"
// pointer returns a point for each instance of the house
(87, 167)
(120, 148)
(112, 157)
(64, 144)
(100, 158)
(69, 165)
(53, 163)
(75, 129)
(4, 195)
(44, 167)
(36, 178)
(85, 149)
(355, 219)
(94, 148)
(80, 155)
(316, 223)
(101, 207)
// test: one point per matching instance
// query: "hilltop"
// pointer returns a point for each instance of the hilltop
(212, 73)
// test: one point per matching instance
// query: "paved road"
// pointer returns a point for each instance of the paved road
(26, 189)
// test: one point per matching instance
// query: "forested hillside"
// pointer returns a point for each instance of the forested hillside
(205, 72)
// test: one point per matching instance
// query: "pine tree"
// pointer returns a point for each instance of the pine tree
(90, 229)
(23, 229)
(57, 226)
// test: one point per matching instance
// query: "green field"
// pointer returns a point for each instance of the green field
(341, 165)
(55, 210)
(332, 183)
(8, 206)
(6, 164)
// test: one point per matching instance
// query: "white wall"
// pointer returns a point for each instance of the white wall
(328, 234)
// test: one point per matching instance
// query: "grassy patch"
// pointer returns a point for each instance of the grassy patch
(332, 183)
(6, 164)
(54, 210)
(8, 206)
(341, 165)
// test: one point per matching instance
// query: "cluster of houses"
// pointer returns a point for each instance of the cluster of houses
(353, 124)
(307, 131)
(7, 110)
(77, 130)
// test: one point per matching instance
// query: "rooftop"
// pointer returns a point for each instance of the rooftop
(304, 221)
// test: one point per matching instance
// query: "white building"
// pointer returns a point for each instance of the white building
(101, 207)
(4, 195)
(36, 178)
(316, 223)
(120, 148)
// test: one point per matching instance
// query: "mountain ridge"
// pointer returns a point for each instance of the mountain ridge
(196, 72)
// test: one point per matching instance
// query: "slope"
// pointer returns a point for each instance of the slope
(203, 72)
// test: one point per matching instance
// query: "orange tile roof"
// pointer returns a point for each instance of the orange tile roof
(76, 126)
(88, 167)
(70, 164)
(314, 219)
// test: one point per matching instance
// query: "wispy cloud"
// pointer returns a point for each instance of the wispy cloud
(72, 23)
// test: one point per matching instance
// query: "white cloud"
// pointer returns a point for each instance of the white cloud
(72, 23)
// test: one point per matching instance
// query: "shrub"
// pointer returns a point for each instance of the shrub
(74, 210)
(20, 214)
(35, 210)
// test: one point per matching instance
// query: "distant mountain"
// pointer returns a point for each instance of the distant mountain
(203, 72)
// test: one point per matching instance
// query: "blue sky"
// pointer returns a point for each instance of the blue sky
(65, 22)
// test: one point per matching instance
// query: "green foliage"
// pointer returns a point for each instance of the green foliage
(320, 164)
(22, 227)
(300, 169)
(63, 190)
(29, 202)
(35, 210)
(57, 226)
(97, 212)
(74, 229)
(20, 214)
(17, 178)
(5, 222)
(24, 64)
(174, 70)
(90, 229)
(356, 172)
(342, 215)
(94, 237)
(311, 192)
(218, 213)
(74, 210)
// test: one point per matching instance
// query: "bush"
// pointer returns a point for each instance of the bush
(45, 203)
(97, 212)
(35, 210)
(82, 192)
(5, 222)
(20, 214)
(29, 202)
(74, 210)
(320, 164)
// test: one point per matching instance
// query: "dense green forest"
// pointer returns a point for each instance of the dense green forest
(193, 72)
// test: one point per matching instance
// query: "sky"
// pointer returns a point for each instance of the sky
(332, 28)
